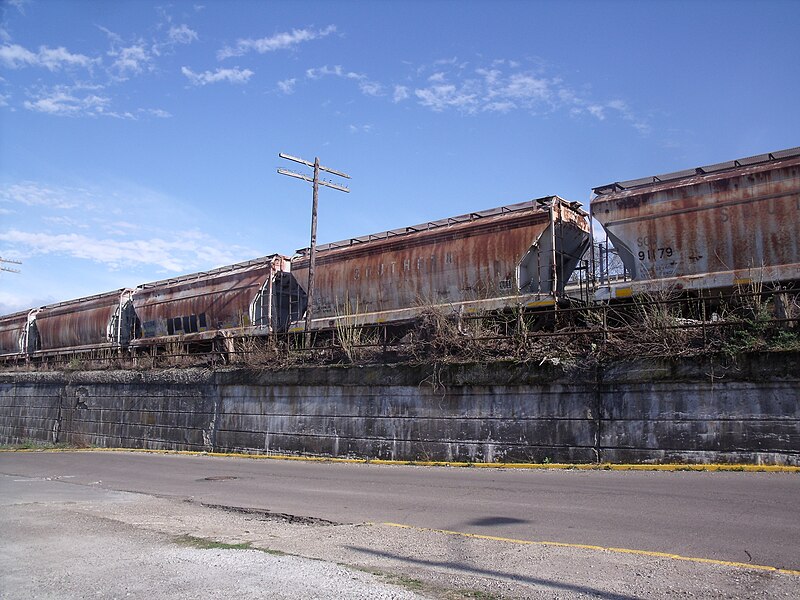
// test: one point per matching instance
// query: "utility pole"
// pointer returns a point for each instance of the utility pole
(316, 181)
(9, 269)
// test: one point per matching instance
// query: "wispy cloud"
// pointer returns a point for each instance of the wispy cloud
(156, 112)
(400, 93)
(15, 56)
(19, 4)
(366, 128)
(504, 86)
(365, 84)
(235, 75)
(287, 85)
(75, 101)
(89, 223)
(279, 41)
(182, 34)
(182, 252)
(31, 193)
(497, 86)
(66, 222)
(63, 103)
(130, 60)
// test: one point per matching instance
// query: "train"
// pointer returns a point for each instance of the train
(709, 228)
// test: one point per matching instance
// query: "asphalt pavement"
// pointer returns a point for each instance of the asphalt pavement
(722, 529)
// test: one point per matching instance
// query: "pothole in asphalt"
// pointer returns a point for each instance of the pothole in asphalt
(267, 515)
(219, 478)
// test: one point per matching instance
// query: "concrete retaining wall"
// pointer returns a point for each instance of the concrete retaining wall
(747, 410)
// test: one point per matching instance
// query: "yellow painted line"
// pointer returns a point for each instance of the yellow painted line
(433, 463)
(494, 538)
(540, 303)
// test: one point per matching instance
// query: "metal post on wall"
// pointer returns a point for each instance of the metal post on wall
(316, 182)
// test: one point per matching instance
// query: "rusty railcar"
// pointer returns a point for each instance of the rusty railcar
(102, 321)
(521, 254)
(712, 227)
(18, 336)
(248, 298)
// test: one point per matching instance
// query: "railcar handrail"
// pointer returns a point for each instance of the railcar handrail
(535, 204)
(620, 186)
(264, 260)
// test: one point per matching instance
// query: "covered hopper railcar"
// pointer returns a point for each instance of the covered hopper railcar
(709, 228)
(488, 260)
(103, 321)
(249, 298)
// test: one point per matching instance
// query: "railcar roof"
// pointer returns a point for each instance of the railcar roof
(537, 203)
(111, 294)
(264, 260)
(620, 186)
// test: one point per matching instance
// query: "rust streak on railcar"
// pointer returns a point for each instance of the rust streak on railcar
(82, 322)
(207, 301)
(463, 259)
(711, 227)
(11, 329)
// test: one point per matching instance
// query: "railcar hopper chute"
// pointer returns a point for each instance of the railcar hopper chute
(18, 334)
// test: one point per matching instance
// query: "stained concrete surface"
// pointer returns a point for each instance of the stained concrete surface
(709, 409)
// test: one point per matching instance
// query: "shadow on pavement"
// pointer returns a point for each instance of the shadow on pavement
(497, 574)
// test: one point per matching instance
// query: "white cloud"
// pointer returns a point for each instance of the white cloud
(505, 87)
(440, 97)
(601, 111)
(525, 87)
(235, 75)
(400, 93)
(279, 41)
(29, 193)
(502, 87)
(15, 56)
(182, 35)
(19, 4)
(287, 85)
(367, 86)
(131, 60)
(366, 128)
(4, 99)
(66, 222)
(182, 252)
(323, 71)
(93, 223)
(63, 101)
(638, 123)
(157, 112)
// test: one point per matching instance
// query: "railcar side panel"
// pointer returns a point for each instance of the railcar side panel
(713, 230)
(205, 302)
(83, 322)
(448, 264)
(12, 329)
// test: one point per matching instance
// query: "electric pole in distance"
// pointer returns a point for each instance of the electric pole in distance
(316, 181)
(9, 269)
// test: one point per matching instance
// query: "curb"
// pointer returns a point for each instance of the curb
(530, 466)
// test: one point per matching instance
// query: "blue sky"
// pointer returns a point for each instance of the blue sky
(139, 140)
